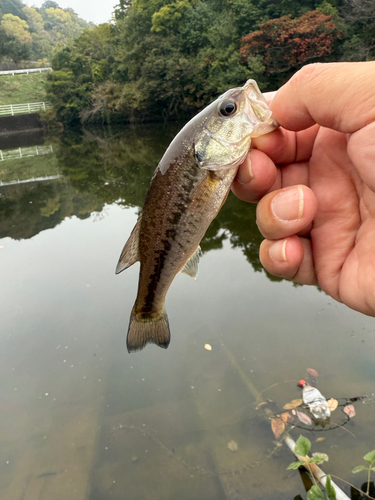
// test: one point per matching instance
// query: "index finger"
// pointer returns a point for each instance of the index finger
(339, 96)
(284, 146)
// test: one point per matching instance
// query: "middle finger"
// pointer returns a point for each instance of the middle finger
(285, 212)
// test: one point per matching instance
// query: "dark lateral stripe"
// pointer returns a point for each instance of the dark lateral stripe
(188, 181)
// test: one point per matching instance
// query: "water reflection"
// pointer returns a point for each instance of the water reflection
(25, 210)
(83, 419)
(103, 170)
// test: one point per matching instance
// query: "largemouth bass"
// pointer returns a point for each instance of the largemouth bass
(189, 186)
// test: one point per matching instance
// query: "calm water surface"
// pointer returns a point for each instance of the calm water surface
(83, 419)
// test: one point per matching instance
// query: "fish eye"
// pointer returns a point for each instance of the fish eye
(228, 108)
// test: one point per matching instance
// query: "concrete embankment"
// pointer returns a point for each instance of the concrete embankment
(12, 127)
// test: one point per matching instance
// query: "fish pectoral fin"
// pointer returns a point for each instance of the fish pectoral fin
(130, 252)
(191, 266)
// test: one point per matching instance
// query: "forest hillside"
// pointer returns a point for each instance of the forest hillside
(167, 59)
(29, 36)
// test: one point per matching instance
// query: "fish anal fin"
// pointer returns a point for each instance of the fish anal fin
(130, 253)
(191, 266)
(148, 329)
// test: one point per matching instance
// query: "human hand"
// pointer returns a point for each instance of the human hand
(314, 181)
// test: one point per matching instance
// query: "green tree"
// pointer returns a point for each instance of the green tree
(62, 26)
(76, 71)
(34, 20)
(41, 47)
(168, 18)
(14, 7)
(68, 94)
(15, 39)
(94, 45)
(17, 27)
(169, 58)
(45, 30)
(360, 16)
(49, 4)
(177, 58)
(18, 51)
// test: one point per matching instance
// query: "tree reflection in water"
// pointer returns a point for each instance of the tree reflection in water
(112, 166)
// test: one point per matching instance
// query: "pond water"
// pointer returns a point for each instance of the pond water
(83, 419)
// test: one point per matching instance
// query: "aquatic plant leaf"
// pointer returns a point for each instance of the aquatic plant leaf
(349, 410)
(293, 404)
(330, 490)
(332, 404)
(319, 458)
(305, 419)
(295, 465)
(315, 493)
(303, 446)
(287, 417)
(277, 426)
(359, 468)
(312, 372)
(370, 457)
(232, 445)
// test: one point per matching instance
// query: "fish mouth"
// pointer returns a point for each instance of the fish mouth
(258, 113)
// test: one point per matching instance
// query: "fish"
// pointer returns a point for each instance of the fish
(187, 190)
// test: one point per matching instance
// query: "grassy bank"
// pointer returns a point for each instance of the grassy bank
(22, 88)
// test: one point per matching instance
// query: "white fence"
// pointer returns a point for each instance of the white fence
(33, 179)
(12, 154)
(19, 71)
(19, 109)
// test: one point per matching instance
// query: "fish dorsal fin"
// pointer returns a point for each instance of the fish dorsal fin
(191, 266)
(130, 252)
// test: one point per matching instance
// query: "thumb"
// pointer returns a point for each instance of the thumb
(339, 96)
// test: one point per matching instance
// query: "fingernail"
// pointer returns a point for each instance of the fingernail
(278, 251)
(250, 167)
(288, 205)
(245, 173)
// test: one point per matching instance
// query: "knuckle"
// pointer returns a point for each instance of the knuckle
(306, 73)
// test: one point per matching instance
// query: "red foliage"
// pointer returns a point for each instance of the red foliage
(286, 43)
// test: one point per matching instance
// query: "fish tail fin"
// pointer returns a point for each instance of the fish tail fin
(146, 328)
